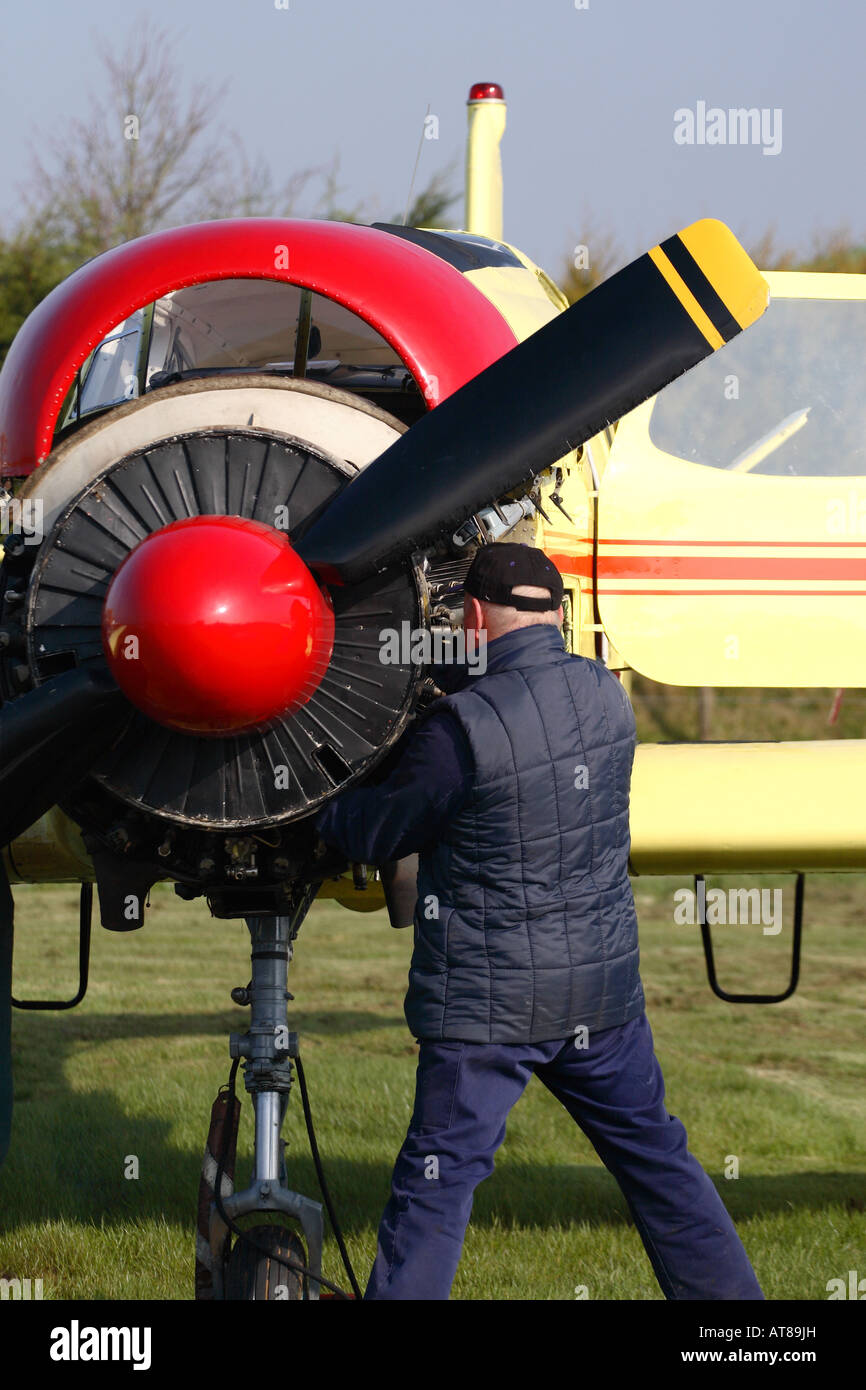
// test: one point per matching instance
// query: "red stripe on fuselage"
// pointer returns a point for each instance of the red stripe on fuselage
(730, 567)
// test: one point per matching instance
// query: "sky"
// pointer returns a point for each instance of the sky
(593, 94)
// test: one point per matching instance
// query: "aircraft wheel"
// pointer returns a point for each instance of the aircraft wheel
(254, 1274)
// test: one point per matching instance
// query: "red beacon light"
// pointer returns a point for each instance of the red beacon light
(486, 91)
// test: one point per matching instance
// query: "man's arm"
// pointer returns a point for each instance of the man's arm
(425, 790)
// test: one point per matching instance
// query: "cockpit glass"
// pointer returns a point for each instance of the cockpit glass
(247, 324)
(786, 398)
(112, 374)
(240, 325)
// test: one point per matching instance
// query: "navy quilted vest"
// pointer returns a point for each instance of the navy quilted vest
(525, 925)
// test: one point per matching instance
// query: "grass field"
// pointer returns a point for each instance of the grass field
(669, 713)
(134, 1071)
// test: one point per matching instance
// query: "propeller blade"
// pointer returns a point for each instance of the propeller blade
(589, 366)
(49, 740)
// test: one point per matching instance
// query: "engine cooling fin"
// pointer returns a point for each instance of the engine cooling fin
(269, 776)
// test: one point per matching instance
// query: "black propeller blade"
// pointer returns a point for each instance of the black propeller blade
(49, 740)
(588, 367)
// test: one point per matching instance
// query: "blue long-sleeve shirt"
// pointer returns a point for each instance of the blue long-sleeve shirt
(424, 791)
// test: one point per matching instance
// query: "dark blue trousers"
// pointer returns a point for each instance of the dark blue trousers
(614, 1090)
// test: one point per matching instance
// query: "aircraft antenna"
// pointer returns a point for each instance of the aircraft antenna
(415, 170)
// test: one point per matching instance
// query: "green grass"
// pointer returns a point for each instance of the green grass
(134, 1071)
(669, 713)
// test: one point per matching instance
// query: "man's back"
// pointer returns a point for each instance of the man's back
(514, 791)
(525, 925)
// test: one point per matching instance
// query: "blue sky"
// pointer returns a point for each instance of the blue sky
(591, 100)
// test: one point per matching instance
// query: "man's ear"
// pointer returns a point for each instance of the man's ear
(473, 618)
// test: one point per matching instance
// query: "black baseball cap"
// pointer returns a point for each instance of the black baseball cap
(503, 566)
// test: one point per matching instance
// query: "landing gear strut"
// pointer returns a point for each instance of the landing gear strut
(265, 1264)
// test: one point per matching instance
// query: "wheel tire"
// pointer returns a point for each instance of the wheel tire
(254, 1274)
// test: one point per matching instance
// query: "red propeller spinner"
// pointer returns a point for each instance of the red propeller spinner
(213, 625)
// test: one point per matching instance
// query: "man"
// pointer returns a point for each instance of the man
(514, 789)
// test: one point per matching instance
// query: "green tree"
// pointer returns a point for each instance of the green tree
(835, 250)
(429, 207)
(594, 256)
(141, 158)
(30, 267)
(137, 160)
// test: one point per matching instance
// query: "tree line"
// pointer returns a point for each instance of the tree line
(150, 154)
